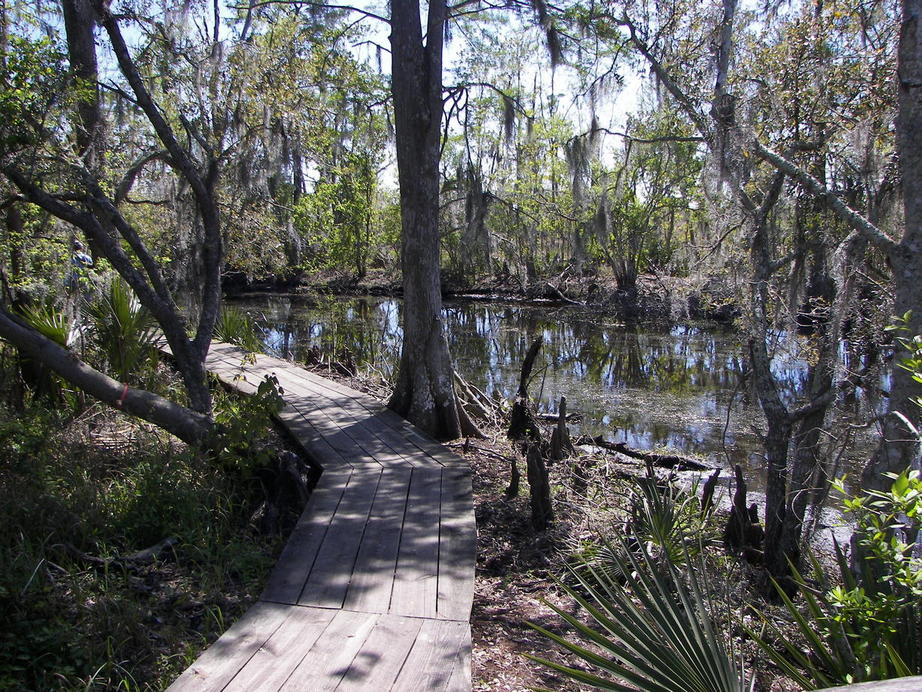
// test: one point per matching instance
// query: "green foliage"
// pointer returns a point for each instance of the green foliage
(53, 323)
(336, 218)
(69, 624)
(653, 625)
(124, 331)
(912, 360)
(33, 74)
(49, 321)
(869, 625)
(242, 425)
(668, 519)
(234, 326)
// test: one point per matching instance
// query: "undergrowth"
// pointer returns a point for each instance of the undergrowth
(78, 495)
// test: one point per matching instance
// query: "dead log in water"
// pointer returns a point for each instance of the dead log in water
(666, 461)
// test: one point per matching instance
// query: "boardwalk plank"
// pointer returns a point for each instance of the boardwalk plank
(381, 561)
(382, 442)
(329, 660)
(329, 579)
(438, 660)
(373, 575)
(223, 659)
(272, 664)
(457, 546)
(383, 654)
(375, 409)
(307, 435)
(300, 552)
(416, 579)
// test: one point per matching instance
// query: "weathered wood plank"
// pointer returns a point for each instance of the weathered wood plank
(326, 664)
(385, 444)
(421, 441)
(272, 664)
(312, 440)
(382, 559)
(457, 545)
(223, 660)
(373, 575)
(416, 578)
(357, 404)
(383, 654)
(329, 578)
(358, 433)
(300, 553)
(439, 659)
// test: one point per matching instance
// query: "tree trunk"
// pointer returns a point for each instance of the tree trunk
(190, 426)
(79, 23)
(424, 391)
(899, 446)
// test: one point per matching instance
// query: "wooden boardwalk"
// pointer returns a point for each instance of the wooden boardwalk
(373, 590)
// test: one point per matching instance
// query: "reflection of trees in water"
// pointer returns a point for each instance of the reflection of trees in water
(589, 361)
(489, 343)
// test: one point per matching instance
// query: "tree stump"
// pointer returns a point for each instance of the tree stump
(541, 511)
(707, 493)
(743, 534)
(561, 446)
(521, 421)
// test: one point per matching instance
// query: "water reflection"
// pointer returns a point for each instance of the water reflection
(676, 387)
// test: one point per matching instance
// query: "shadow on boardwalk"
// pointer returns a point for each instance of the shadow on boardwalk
(374, 587)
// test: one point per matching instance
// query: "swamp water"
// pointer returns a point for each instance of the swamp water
(676, 387)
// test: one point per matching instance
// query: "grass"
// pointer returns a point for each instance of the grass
(76, 495)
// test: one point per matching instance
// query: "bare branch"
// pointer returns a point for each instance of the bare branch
(854, 220)
(318, 5)
(124, 187)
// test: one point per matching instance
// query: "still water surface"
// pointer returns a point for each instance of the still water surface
(673, 386)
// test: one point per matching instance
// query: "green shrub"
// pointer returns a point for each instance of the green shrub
(868, 626)
(243, 422)
(652, 625)
(234, 326)
(125, 332)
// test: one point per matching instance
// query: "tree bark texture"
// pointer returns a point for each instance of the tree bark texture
(424, 391)
(542, 512)
(190, 426)
(899, 445)
(79, 24)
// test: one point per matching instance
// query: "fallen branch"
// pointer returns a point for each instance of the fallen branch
(140, 557)
(667, 461)
(562, 296)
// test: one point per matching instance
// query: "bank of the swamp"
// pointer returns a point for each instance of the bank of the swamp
(123, 553)
(654, 297)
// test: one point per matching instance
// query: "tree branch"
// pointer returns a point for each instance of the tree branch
(854, 220)
(124, 187)
(319, 5)
(190, 426)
